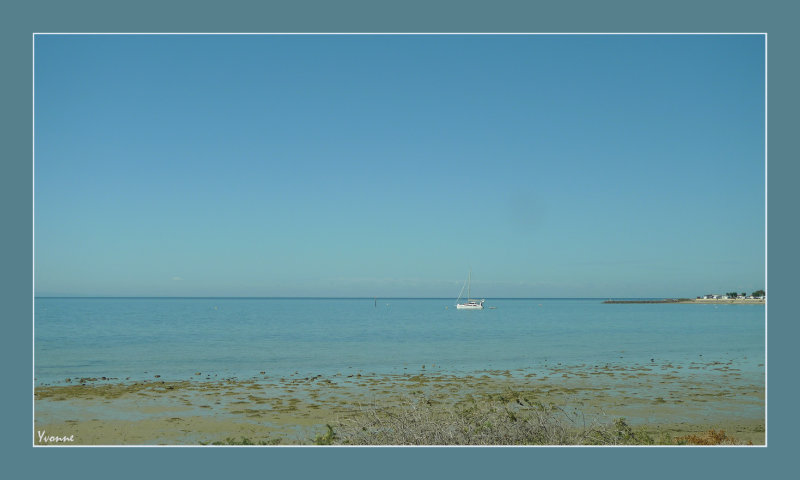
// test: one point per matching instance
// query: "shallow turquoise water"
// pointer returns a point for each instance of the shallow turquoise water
(175, 338)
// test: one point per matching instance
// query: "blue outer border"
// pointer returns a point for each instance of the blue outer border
(21, 19)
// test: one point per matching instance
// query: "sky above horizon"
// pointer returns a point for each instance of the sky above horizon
(391, 165)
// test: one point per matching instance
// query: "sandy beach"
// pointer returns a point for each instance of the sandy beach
(295, 410)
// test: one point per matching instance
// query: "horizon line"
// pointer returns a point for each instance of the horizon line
(319, 297)
(400, 33)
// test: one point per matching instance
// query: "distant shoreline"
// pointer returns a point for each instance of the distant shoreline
(608, 300)
(710, 301)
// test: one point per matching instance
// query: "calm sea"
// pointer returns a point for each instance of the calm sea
(137, 338)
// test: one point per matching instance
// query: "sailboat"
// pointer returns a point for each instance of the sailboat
(470, 304)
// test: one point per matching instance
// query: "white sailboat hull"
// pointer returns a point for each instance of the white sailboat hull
(469, 306)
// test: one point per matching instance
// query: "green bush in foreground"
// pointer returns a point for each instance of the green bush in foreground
(244, 441)
(326, 439)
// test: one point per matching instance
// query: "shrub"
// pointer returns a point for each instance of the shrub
(506, 419)
(326, 439)
(244, 441)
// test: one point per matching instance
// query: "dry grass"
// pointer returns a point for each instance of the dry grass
(509, 419)
(505, 419)
(711, 437)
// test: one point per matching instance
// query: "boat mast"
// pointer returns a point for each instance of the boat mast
(469, 283)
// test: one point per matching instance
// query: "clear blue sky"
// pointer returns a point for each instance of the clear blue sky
(553, 166)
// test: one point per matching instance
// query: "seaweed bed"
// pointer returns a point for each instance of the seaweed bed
(654, 404)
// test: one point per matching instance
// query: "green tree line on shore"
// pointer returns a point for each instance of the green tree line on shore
(757, 293)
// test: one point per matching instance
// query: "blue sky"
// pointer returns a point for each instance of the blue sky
(552, 166)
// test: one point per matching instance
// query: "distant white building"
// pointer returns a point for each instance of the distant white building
(714, 296)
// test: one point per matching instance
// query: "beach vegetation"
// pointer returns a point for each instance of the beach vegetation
(326, 439)
(244, 441)
(501, 419)
(621, 433)
(711, 437)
